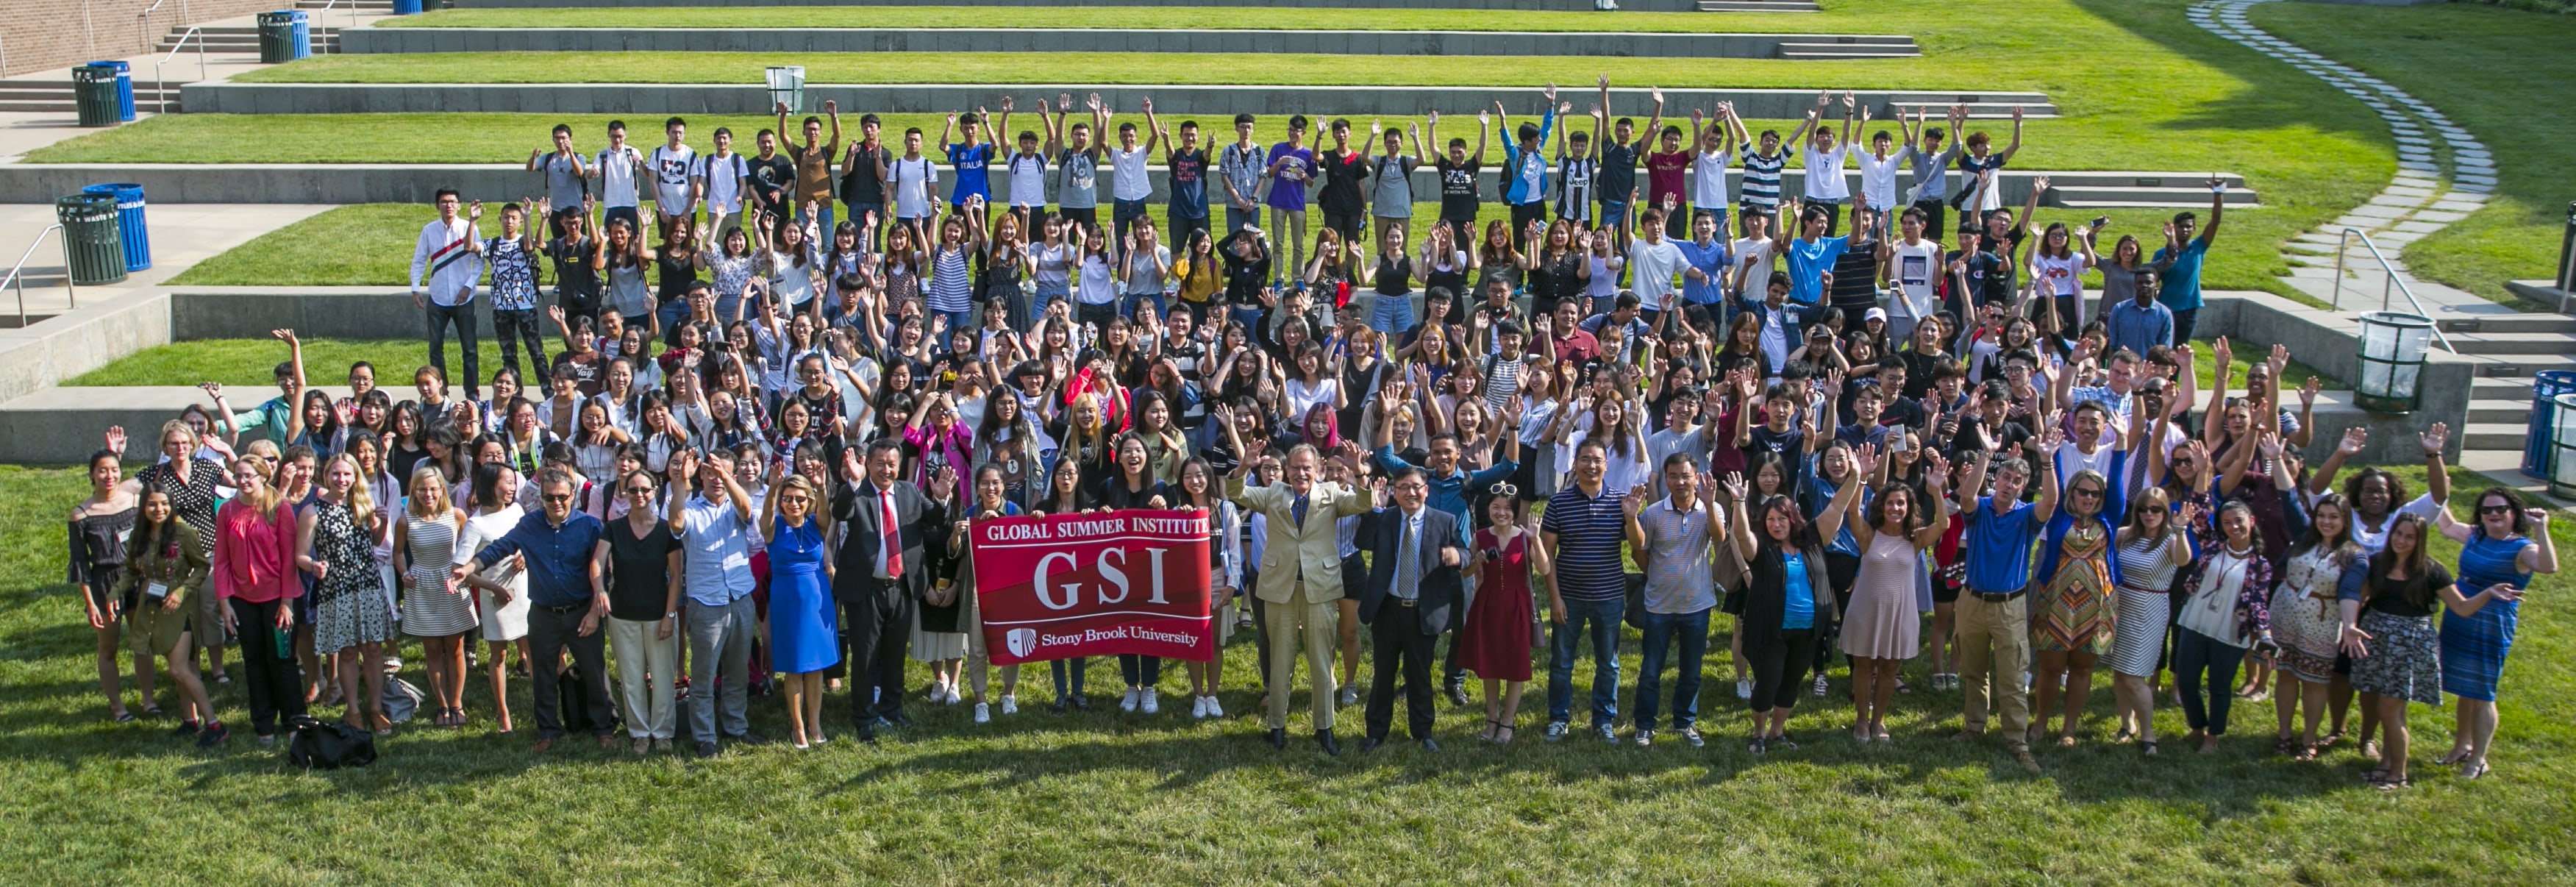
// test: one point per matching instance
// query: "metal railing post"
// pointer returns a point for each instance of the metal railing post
(18, 273)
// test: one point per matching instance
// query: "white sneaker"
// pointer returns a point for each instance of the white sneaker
(1010, 705)
(1215, 710)
(1198, 707)
(1350, 696)
(1151, 704)
(983, 713)
(1744, 689)
(1128, 702)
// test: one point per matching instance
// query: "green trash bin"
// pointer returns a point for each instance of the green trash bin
(284, 36)
(94, 94)
(96, 249)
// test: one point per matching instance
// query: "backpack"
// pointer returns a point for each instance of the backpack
(402, 700)
(328, 745)
(572, 703)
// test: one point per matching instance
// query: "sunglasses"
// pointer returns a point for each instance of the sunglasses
(2495, 509)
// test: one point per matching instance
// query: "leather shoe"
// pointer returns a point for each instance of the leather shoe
(749, 738)
(867, 734)
(1324, 738)
(1430, 745)
(543, 745)
(706, 749)
(1458, 695)
(1278, 738)
(1370, 744)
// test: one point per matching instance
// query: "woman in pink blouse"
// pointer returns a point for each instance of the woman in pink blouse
(255, 578)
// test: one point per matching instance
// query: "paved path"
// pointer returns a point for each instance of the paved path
(182, 236)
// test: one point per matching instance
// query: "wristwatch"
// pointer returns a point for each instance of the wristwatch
(675, 614)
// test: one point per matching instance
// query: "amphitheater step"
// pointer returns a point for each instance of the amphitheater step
(1848, 51)
(2499, 411)
(2509, 436)
(2513, 323)
(1758, 6)
(2115, 196)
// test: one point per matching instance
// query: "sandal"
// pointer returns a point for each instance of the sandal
(2390, 785)
(2147, 748)
(2374, 775)
(121, 717)
(2283, 745)
(1503, 734)
(2307, 752)
(2474, 770)
(2123, 736)
(1758, 746)
(152, 711)
(1782, 741)
(2453, 756)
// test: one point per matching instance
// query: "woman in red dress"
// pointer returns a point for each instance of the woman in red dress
(1495, 643)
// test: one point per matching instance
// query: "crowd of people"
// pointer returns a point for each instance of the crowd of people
(773, 407)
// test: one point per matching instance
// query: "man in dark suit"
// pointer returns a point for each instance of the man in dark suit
(881, 573)
(1411, 597)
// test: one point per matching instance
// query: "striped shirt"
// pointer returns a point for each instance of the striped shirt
(1761, 185)
(950, 288)
(1575, 184)
(1589, 530)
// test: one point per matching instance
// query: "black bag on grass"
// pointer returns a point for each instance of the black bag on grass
(329, 745)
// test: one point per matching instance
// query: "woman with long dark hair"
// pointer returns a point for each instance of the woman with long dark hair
(2387, 629)
(165, 573)
(1881, 624)
(1067, 493)
(992, 500)
(2225, 604)
(1788, 607)
(2498, 555)
(2324, 566)
(191, 482)
(99, 527)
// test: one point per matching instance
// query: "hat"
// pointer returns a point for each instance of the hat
(1879, 314)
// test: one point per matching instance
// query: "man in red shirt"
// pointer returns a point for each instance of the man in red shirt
(1564, 334)
(1664, 177)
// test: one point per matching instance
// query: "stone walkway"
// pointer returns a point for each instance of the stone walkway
(2443, 174)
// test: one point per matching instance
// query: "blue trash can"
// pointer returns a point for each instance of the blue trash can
(2546, 386)
(284, 36)
(124, 88)
(130, 226)
(406, 7)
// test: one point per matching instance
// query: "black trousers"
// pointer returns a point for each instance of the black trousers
(273, 681)
(1935, 211)
(1401, 646)
(1779, 665)
(463, 317)
(509, 329)
(879, 623)
(550, 632)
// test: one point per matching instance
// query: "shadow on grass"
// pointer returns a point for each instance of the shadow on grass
(2274, 95)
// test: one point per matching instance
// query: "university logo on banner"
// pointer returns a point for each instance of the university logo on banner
(1133, 581)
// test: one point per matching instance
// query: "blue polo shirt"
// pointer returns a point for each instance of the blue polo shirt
(973, 175)
(2181, 289)
(1807, 264)
(558, 556)
(1998, 546)
(1450, 493)
(1589, 531)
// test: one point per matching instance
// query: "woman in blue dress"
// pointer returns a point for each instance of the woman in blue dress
(2498, 554)
(803, 626)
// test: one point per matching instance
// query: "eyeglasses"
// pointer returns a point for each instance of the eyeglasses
(639, 491)
(2495, 509)
(556, 497)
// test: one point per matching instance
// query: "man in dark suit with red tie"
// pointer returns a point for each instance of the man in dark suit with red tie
(1410, 599)
(880, 573)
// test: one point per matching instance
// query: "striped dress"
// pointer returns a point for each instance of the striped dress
(2474, 647)
(952, 286)
(2143, 606)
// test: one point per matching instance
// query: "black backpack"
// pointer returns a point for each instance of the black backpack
(572, 703)
(329, 745)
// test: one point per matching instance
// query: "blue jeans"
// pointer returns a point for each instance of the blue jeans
(1660, 628)
(1050, 293)
(1603, 618)
(1391, 314)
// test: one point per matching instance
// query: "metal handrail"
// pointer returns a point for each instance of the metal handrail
(17, 275)
(2392, 284)
(143, 25)
(160, 87)
(327, 6)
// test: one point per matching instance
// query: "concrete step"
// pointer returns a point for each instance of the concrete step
(2522, 365)
(1747, 6)
(2501, 344)
(64, 106)
(2499, 411)
(2072, 195)
(2513, 323)
(2513, 388)
(2141, 204)
(2507, 436)
(1848, 51)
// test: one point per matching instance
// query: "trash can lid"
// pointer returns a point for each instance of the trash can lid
(117, 189)
(118, 65)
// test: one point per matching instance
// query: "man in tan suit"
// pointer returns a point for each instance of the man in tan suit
(1301, 577)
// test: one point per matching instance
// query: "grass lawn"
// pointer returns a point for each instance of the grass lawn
(244, 364)
(1135, 18)
(1104, 797)
(2489, 70)
(348, 246)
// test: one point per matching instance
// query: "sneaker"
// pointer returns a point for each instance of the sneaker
(983, 713)
(185, 730)
(1010, 704)
(214, 734)
(1606, 734)
(1152, 703)
(1350, 696)
(1691, 735)
(1198, 707)
(1556, 730)
(1744, 689)
(1820, 685)
(1215, 710)
(1645, 738)
(1128, 702)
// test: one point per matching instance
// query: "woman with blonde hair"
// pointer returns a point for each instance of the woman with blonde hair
(2154, 546)
(255, 546)
(803, 627)
(436, 609)
(336, 541)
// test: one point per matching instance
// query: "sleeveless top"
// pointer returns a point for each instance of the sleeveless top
(674, 273)
(1394, 277)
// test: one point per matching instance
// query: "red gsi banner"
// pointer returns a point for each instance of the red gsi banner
(1094, 585)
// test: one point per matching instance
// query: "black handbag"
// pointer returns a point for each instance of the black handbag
(572, 704)
(1635, 612)
(328, 745)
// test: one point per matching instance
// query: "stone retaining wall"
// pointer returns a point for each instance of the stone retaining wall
(364, 41)
(1522, 5)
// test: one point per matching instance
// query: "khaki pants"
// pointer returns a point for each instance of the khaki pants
(1309, 623)
(650, 710)
(1994, 645)
(979, 659)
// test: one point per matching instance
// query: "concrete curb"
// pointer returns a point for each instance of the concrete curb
(414, 183)
(1516, 5)
(364, 41)
(752, 98)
